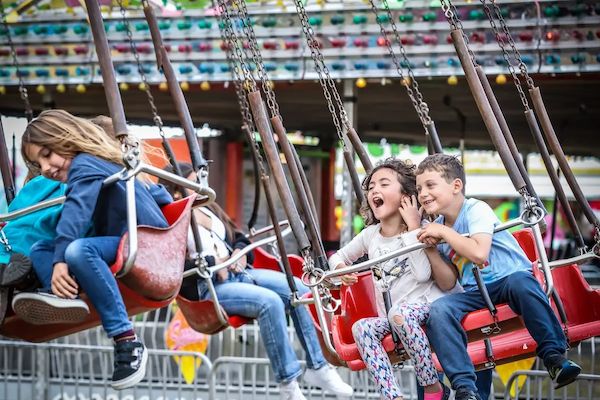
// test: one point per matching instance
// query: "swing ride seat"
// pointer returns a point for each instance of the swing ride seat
(202, 316)
(582, 306)
(152, 283)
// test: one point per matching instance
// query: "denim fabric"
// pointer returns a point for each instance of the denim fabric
(89, 260)
(525, 297)
(267, 301)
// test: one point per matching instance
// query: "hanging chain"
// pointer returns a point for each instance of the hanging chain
(156, 118)
(257, 57)
(511, 42)
(340, 119)
(451, 14)
(238, 81)
(412, 87)
(505, 54)
(22, 88)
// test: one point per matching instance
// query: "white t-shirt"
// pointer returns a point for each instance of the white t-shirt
(213, 240)
(409, 276)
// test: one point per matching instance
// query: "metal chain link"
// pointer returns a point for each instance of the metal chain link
(155, 117)
(451, 14)
(239, 89)
(511, 42)
(22, 88)
(412, 87)
(340, 117)
(257, 57)
(505, 55)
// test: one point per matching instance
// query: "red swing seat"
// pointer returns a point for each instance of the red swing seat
(152, 283)
(202, 316)
(582, 306)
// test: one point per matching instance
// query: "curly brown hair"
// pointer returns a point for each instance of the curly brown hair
(406, 176)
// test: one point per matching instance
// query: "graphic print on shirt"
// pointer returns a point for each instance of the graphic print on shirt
(395, 267)
(460, 262)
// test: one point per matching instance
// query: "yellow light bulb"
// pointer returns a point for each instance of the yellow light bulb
(501, 79)
(205, 86)
(80, 88)
(452, 80)
(361, 82)
(142, 86)
(405, 81)
(2, 90)
(184, 85)
(163, 86)
(41, 89)
(60, 88)
(123, 86)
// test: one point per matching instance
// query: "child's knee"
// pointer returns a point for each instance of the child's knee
(398, 320)
(74, 252)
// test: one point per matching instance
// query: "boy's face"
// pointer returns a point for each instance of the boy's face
(435, 194)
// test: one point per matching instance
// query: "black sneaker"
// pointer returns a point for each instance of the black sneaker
(562, 371)
(130, 364)
(463, 393)
(43, 308)
(17, 271)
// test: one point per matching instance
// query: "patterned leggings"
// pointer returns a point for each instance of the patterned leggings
(369, 333)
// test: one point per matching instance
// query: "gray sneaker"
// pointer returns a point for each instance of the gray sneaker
(43, 308)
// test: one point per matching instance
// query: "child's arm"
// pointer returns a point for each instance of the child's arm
(443, 273)
(475, 248)
(351, 252)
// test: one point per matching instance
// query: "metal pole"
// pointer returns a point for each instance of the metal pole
(348, 202)
(5, 168)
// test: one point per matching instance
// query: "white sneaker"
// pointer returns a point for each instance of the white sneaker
(328, 379)
(290, 391)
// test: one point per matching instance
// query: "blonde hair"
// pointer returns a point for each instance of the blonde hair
(69, 136)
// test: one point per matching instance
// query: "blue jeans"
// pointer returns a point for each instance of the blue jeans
(525, 297)
(267, 302)
(484, 384)
(89, 259)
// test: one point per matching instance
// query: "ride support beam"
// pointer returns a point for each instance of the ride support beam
(328, 229)
(233, 182)
(163, 62)
(560, 192)
(5, 168)
(512, 146)
(433, 137)
(548, 129)
(265, 131)
(485, 110)
(109, 80)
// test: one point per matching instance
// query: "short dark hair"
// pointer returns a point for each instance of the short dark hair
(406, 177)
(449, 167)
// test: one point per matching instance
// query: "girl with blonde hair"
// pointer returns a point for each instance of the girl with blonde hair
(75, 151)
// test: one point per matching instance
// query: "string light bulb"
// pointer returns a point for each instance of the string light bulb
(452, 80)
(41, 89)
(2, 90)
(501, 79)
(123, 86)
(361, 82)
(142, 86)
(184, 86)
(163, 86)
(80, 88)
(61, 88)
(205, 86)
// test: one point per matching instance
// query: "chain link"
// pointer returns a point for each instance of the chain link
(505, 54)
(340, 117)
(451, 14)
(155, 117)
(22, 88)
(412, 87)
(511, 42)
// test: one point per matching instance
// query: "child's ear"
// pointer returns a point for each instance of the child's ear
(457, 186)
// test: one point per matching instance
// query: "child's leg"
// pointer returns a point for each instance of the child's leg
(41, 255)
(89, 259)
(448, 338)
(368, 334)
(406, 319)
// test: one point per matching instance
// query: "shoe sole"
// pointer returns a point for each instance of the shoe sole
(134, 378)
(30, 308)
(17, 272)
(4, 297)
(569, 377)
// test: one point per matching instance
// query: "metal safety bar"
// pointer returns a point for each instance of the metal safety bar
(258, 232)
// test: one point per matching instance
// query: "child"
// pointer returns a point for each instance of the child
(392, 221)
(504, 267)
(261, 294)
(79, 153)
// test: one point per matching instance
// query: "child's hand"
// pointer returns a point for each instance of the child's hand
(349, 279)
(223, 274)
(431, 242)
(62, 284)
(432, 230)
(410, 212)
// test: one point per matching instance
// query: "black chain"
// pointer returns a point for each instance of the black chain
(155, 117)
(451, 14)
(340, 117)
(505, 54)
(257, 57)
(511, 42)
(412, 87)
(22, 88)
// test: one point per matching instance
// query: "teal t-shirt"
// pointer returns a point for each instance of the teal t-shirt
(24, 231)
(506, 256)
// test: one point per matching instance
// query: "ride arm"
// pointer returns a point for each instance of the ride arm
(83, 188)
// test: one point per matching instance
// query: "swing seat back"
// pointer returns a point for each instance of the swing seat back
(202, 316)
(152, 283)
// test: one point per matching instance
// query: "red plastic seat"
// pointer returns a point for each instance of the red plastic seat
(202, 316)
(152, 283)
(582, 306)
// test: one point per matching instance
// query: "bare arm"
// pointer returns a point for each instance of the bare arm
(475, 248)
(443, 273)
